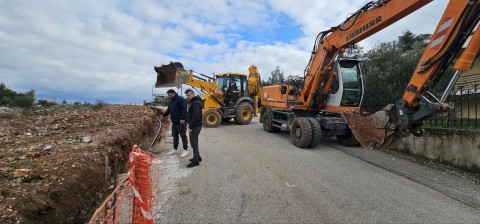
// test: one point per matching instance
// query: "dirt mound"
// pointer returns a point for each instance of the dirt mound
(53, 167)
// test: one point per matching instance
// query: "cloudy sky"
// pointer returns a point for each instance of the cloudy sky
(88, 50)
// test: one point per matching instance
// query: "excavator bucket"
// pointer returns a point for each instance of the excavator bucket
(171, 75)
(373, 131)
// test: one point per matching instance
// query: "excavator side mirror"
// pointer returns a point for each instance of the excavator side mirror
(283, 90)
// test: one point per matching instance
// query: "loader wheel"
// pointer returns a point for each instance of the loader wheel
(316, 132)
(301, 132)
(348, 140)
(212, 118)
(268, 123)
(243, 113)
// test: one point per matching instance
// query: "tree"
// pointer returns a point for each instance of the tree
(9, 97)
(276, 77)
(408, 40)
(389, 66)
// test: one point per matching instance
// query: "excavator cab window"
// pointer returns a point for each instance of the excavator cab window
(352, 83)
(233, 86)
(221, 82)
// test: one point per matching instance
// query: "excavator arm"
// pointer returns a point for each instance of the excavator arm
(254, 82)
(368, 20)
(417, 104)
(255, 88)
(174, 74)
(445, 48)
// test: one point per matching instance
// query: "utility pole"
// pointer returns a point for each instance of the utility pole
(153, 97)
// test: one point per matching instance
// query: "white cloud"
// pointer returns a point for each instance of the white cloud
(107, 49)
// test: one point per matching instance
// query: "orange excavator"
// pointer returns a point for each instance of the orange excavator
(327, 102)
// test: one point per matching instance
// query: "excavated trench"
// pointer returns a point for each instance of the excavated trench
(57, 168)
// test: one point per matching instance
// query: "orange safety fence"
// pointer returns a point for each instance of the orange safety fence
(133, 198)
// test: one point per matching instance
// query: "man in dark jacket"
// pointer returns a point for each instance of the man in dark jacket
(177, 109)
(194, 120)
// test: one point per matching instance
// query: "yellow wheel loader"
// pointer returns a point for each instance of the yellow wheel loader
(225, 96)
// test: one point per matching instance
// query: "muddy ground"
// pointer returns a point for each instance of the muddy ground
(52, 167)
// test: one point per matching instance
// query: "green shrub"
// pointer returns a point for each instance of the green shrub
(23, 101)
(99, 104)
(11, 98)
(46, 103)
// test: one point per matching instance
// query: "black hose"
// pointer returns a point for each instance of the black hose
(156, 136)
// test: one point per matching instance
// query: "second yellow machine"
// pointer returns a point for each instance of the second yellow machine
(225, 96)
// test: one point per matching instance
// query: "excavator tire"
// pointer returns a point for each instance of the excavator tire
(268, 121)
(301, 132)
(316, 132)
(348, 140)
(263, 110)
(212, 118)
(243, 113)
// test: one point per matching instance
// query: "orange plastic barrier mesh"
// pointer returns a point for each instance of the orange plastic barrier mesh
(131, 201)
(141, 185)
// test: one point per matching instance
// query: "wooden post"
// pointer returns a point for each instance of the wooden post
(106, 174)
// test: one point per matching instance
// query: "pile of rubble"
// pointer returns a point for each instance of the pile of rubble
(53, 167)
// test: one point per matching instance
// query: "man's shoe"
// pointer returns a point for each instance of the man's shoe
(199, 159)
(184, 153)
(192, 164)
(171, 152)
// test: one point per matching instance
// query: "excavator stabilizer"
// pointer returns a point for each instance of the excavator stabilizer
(373, 131)
(171, 75)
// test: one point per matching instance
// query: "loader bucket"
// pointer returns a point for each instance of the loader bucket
(171, 75)
(373, 131)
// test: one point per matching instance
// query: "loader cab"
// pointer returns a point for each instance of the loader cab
(234, 85)
(347, 87)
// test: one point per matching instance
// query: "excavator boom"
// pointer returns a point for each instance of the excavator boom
(386, 127)
(320, 95)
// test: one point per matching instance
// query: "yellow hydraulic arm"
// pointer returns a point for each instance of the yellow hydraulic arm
(174, 74)
(254, 85)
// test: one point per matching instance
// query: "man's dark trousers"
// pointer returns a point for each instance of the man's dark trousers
(194, 142)
(180, 129)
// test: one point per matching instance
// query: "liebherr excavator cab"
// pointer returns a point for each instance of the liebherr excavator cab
(347, 86)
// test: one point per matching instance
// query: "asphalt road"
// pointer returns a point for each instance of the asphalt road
(250, 176)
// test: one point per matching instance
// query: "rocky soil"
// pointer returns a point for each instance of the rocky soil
(52, 167)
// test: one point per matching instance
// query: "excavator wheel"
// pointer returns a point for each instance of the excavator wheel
(243, 113)
(268, 121)
(263, 110)
(301, 132)
(212, 118)
(348, 140)
(316, 132)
